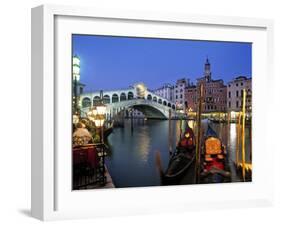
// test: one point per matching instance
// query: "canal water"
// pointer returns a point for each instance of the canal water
(131, 154)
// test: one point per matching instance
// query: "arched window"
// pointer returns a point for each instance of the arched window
(160, 101)
(96, 100)
(115, 98)
(149, 97)
(130, 96)
(123, 97)
(106, 99)
(173, 106)
(164, 103)
(155, 99)
(169, 104)
(86, 102)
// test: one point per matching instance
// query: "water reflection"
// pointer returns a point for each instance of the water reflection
(143, 143)
(131, 159)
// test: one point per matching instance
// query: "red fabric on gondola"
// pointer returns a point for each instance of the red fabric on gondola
(184, 142)
(188, 141)
(215, 164)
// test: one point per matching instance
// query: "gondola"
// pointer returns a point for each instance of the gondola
(214, 158)
(180, 161)
(107, 132)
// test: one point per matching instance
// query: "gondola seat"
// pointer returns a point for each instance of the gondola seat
(213, 146)
(208, 158)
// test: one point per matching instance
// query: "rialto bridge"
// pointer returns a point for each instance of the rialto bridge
(135, 97)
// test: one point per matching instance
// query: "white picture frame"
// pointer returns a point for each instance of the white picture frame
(52, 197)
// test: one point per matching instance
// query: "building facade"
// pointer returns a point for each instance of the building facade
(166, 91)
(214, 93)
(235, 93)
(179, 94)
(191, 97)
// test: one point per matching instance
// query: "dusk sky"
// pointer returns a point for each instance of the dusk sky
(118, 62)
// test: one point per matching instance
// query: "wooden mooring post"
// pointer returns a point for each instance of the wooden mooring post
(243, 134)
(198, 136)
(132, 121)
(238, 139)
(170, 133)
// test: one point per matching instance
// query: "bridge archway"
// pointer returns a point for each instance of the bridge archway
(123, 97)
(96, 100)
(160, 101)
(155, 99)
(114, 98)
(149, 111)
(106, 99)
(130, 95)
(86, 102)
(149, 97)
(149, 108)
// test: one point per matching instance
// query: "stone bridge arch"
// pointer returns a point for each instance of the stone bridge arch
(149, 108)
(151, 104)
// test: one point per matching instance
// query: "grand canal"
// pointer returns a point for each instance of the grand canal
(131, 154)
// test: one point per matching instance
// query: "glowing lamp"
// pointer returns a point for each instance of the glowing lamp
(75, 119)
(92, 114)
(101, 109)
(99, 122)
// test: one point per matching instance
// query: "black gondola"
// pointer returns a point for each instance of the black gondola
(180, 160)
(107, 132)
(214, 167)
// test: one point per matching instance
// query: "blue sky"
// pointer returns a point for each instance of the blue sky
(109, 62)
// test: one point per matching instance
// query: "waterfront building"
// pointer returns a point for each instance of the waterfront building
(166, 91)
(214, 92)
(191, 97)
(179, 94)
(235, 93)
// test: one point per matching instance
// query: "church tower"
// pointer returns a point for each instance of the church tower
(207, 71)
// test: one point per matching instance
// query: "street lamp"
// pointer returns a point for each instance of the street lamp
(75, 119)
(99, 122)
(92, 114)
(101, 108)
(97, 115)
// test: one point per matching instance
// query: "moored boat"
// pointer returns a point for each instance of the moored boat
(180, 160)
(214, 157)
